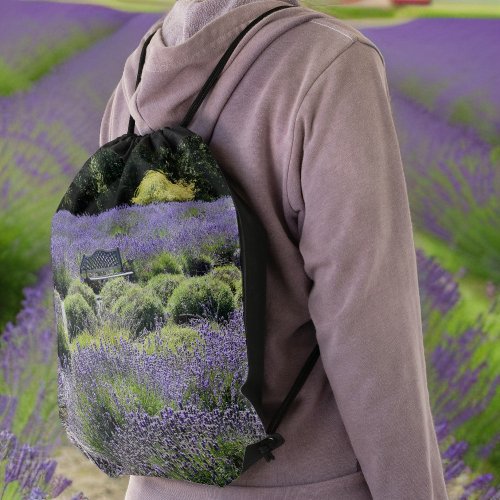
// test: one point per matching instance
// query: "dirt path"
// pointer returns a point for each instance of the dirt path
(86, 477)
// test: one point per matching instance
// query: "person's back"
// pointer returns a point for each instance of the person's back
(301, 122)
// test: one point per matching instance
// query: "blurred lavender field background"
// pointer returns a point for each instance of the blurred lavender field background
(59, 64)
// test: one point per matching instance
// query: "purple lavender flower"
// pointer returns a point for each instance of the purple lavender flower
(28, 470)
(446, 109)
(458, 81)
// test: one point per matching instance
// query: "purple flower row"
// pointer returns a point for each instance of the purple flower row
(46, 136)
(141, 231)
(449, 69)
(446, 104)
(29, 32)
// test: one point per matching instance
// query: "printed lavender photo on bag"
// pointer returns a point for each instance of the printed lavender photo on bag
(148, 298)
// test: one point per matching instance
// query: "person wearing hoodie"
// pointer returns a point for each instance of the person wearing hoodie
(301, 121)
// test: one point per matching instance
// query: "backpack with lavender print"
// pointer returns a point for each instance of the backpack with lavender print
(159, 271)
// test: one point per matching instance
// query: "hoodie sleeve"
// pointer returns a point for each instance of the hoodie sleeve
(347, 187)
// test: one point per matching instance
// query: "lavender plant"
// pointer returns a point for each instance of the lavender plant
(463, 388)
(143, 233)
(29, 426)
(172, 412)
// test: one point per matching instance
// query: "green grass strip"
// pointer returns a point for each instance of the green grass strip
(45, 57)
(406, 11)
(341, 12)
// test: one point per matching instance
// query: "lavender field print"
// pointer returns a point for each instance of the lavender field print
(148, 295)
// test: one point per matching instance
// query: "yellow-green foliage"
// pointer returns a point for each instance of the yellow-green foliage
(177, 336)
(202, 296)
(229, 273)
(172, 337)
(140, 397)
(84, 339)
(107, 333)
(164, 262)
(85, 291)
(155, 187)
(79, 314)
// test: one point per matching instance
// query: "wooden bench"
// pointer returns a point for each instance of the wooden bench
(102, 265)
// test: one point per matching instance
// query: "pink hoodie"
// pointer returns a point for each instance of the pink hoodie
(301, 122)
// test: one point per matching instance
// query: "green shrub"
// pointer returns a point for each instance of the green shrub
(79, 315)
(110, 333)
(62, 280)
(63, 351)
(162, 285)
(139, 308)
(114, 289)
(221, 248)
(229, 274)
(195, 264)
(177, 336)
(238, 295)
(86, 339)
(203, 296)
(163, 263)
(166, 262)
(85, 291)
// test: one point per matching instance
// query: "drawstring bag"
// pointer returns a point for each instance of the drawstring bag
(159, 272)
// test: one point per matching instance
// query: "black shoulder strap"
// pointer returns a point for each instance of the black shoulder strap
(213, 76)
(131, 122)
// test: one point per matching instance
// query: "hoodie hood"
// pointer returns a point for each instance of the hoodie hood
(172, 76)
(187, 17)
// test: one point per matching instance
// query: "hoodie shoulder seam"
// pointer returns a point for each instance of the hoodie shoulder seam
(297, 111)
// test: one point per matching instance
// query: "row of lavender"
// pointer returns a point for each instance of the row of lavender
(446, 66)
(35, 36)
(446, 103)
(29, 426)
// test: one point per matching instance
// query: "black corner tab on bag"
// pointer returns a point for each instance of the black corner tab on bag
(273, 440)
(262, 448)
